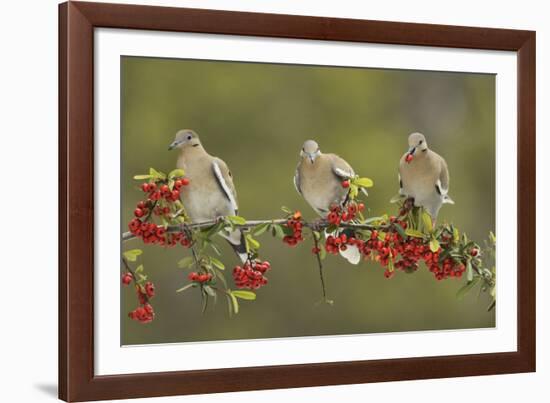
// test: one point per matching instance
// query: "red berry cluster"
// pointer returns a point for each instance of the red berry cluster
(148, 231)
(152, 233)
(200, 277)
(295, 224)
(163, 192)
(251, 275)
(335, 244)
(145, 312)
(340, 214)
(406, 253)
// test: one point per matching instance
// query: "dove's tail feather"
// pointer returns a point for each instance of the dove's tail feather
(238, 243)
(351, 254)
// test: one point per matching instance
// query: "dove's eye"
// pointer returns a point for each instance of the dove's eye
(420, 142)
(189, 137)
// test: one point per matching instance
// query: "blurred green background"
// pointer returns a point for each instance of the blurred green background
(256, 117)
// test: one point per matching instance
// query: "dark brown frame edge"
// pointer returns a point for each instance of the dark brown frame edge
(77, 21)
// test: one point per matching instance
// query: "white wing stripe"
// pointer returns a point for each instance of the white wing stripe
(225, 188)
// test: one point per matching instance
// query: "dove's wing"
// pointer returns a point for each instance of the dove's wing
(224, 179)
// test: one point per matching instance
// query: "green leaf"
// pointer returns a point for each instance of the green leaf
(397, 198)
(278, 231)
(353, 191)
(260, 229)
(322, 253)
(209, 290)
(248, 295)
(427, 221)
(252, 243)
(376, 219)
(217, 263)
(492, 238)
(156, 174)
(234, 302)
(142, 177)
(400, 230)
(434, 245)
(176, 173)
(465, 288)
(132, 254)
(469, 271)
(139, 269)
(237, 220)
(185, 287)
(364, 182)
(213, 230)
(186, 262)
(456, 235)
(414, 233)
(286, 210)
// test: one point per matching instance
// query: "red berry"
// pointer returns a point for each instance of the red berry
(150, 289)
(138, 212)
(409, 158)
(175, 195)
(145, 187)
(127, 278)
(345, 184)
(474, 252)
(184, 181)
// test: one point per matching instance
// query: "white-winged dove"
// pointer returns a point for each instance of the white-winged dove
(318, 179)
(211, 193)
(424, 176)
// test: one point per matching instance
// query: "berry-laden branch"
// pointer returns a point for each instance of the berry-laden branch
(396, 243)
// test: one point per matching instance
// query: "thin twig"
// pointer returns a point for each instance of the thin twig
(126, 236)
(320, 264)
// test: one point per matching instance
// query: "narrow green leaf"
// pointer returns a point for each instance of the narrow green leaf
(237, 220)
(248, 295)
(469, 271)
(139, 269)
(400, 230)
(209, 290)
(279, 233)
(363, 182)
(234, 302)
(353, 191)
(252, 243)
(260, 229)
(465, 288)
(132, 254)
(185, 287)
(434, 245)
(142, 177)
(456, 235)
(427, 221)
(397, 198)
(156, 174)
(176, 173)
(322, 252)
(414, 233)
(286, 210)
(186, 262)
(217, 263)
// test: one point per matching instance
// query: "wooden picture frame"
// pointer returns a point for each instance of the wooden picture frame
(77, 22)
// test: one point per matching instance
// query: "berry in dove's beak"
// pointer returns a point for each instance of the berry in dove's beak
(408, 158)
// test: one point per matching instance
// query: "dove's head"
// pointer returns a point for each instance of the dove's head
(310, 151)
(185, 138)
(417, 142)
